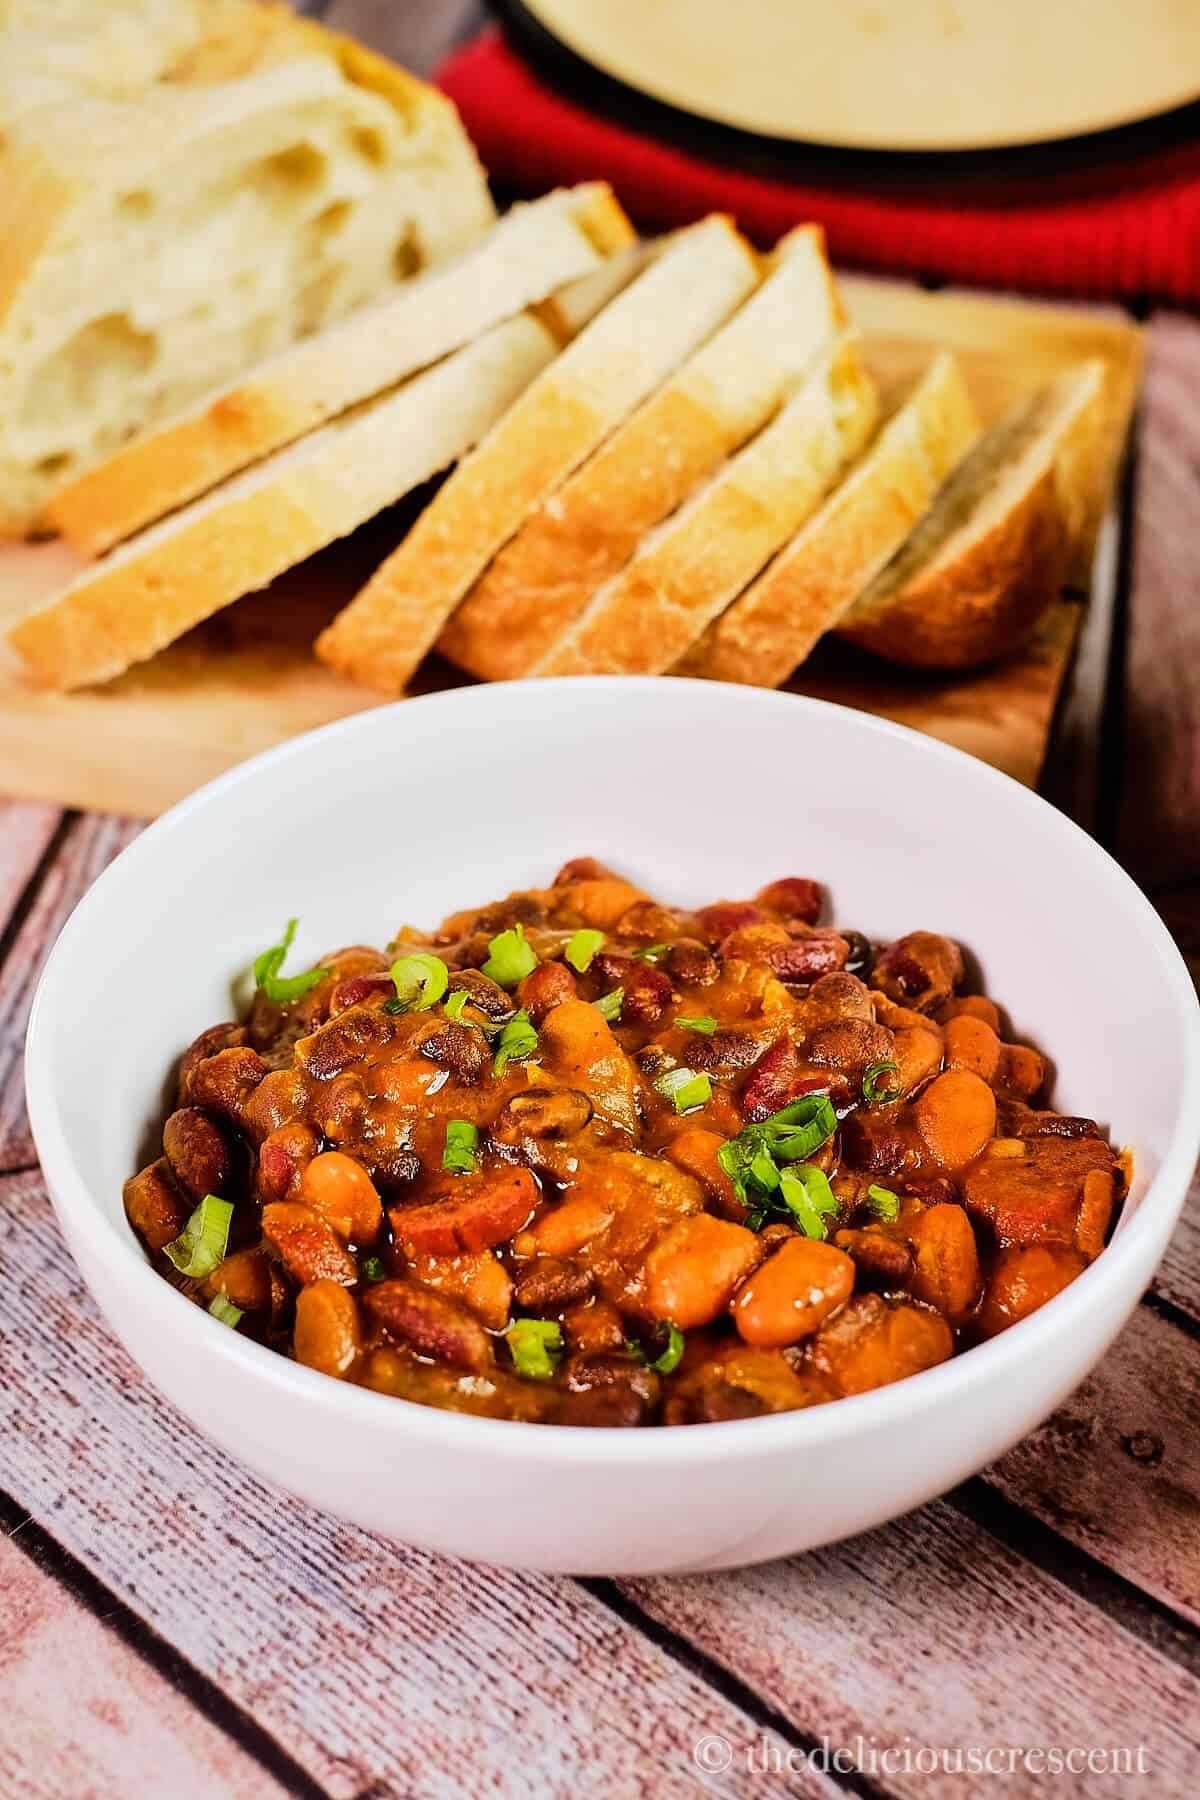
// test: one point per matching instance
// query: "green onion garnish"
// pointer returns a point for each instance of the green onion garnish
(883, 1203)
(702, 1023)
(420, 981)
(201, 1245)
(609, 1005)
(455, 1003)
(581, 949)
(223, 1309)
(511, 957)
(535, 1345)
(805, 1191)
(462, 1146)
(283, 988)
(651, 952)
(516, 1043)
(684, 1088)
(871, 1089)
(372, 1269)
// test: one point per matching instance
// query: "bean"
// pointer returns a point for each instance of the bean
(956, 1115)
(339, 1188)
(327, 1334)
(972, 1044)
(154, 1205)
(430, 1323)
(789, 1295)
(693, 1269)
(946, 1272)
(306, 1244)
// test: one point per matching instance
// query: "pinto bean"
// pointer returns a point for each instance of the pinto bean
(1022, 1279)
(460, 1048)
(345, 1040)
(485, 1208)
(972, 1044)
(723, 917)
(921, 969)
(693, 1269)
(539, 1112)
(789, 1295)
(792, 897)
(429, 1323)
(691, 965)
(306, 1244)
(197, 1152)
(217, 1037)
(544, 987)
(281, 1161)
(955, 1115)
(154, 1205)
(946, 1271)
(223, 1083)
(479, 1279)
(245, 1280)
(327, 1334)
(339, 1188)
(874, 1341)
(547, 1285)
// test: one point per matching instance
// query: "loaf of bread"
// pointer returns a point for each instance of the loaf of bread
(200, 186)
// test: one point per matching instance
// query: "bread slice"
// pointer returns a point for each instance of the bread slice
(698, 278)
(581, 535)
(985, 562)
(805, 590)
(692, 566)
(155, 586)
(153, 246)
(533, 250)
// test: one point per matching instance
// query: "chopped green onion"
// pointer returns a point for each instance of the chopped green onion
(201, 1245)
(511, 958)
(372, 1269)
(516, 1043)
(609, 1005)
(702, 1023)
(883, 1203)
(684, 1088)
(536, 1345)
(420, 981)
(806, 1193)
(871, 1090)
(455, 1003)
(669, 1361)
(651, 952)
(223, 1309)
(581, 949)
(283, 988)
(462, 1146)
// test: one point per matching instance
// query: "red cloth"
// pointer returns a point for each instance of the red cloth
(1130, 228)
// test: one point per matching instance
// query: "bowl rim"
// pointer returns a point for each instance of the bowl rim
(191, 1330)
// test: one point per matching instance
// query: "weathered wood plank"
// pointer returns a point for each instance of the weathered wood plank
(1117, 1469)
(84, 1715)
(26, 830)
(1160, 803)
(87, 849)
(367, 1663)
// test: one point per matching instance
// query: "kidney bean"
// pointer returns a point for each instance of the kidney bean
(691, 965)
(479, 1279)
(694, 1267)
(540, 1112)
(339, 1188)
(154, 1205)
(1022, 1279)
(217, 1037)
(921, 969)
(281, 1160)
(429, 1323)
(345, 1040)
(223, 1083)
(718, 921)
(485, 1209)
(946, 1271)
(792, 897)
(327, 1334)
(306, 1244)
(197, 1152)
(245, 1280)
(545, 987)
(955, 1116)
(460, 1048)
(547, 1285)
(972, 1044)
(357, 988)
(789, 1295)
(874, 1341)
(807, 958)
(883, 1260)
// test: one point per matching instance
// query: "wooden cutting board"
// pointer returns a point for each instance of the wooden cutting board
(247, 679)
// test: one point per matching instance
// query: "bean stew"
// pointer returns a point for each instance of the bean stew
(582, 1158)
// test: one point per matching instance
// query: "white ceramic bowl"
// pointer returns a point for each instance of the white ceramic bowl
(697, 791)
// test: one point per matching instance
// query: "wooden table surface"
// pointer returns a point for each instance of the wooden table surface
(171, 1626)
